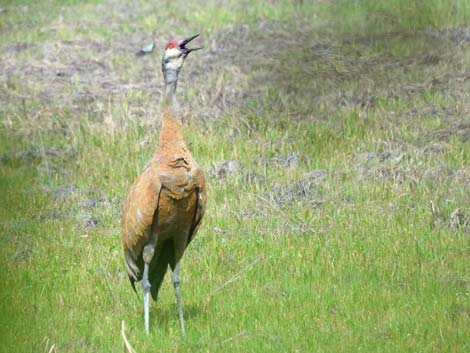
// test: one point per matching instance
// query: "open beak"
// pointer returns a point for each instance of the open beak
(182, 44)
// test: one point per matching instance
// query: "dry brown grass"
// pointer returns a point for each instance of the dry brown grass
(239, 65)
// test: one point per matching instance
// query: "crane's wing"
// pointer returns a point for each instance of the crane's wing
(200, 207)
(137, 217)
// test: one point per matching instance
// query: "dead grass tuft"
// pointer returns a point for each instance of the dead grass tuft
(314, 75)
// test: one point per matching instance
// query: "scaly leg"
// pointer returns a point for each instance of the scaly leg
(148, 252)
(146, 290)
(176, 283)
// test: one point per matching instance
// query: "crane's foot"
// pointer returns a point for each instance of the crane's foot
(146, 290)
(176, 284)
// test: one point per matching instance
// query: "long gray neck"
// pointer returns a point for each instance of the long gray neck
(171, 81)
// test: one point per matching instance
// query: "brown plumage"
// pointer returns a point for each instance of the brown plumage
(166, 203)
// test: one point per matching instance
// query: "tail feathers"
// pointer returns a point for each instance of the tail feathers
(133, 284)
(132, 267)
(164, 257)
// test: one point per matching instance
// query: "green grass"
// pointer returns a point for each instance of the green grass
(353, 261)
(33, 21)
(399, 14)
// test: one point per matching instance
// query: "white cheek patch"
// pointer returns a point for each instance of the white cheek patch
(173, 59)
(172, 53)
(174, 64)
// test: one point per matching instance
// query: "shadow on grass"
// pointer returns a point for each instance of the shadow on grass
(167, 314)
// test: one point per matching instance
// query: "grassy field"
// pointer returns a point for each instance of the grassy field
(335, 137)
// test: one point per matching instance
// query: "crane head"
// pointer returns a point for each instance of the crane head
(176, 52)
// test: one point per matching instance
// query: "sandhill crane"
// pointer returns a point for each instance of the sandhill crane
(165, 205)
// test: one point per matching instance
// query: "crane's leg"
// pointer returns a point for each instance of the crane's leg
(146, 290)
(176, 283)
(148, 252)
